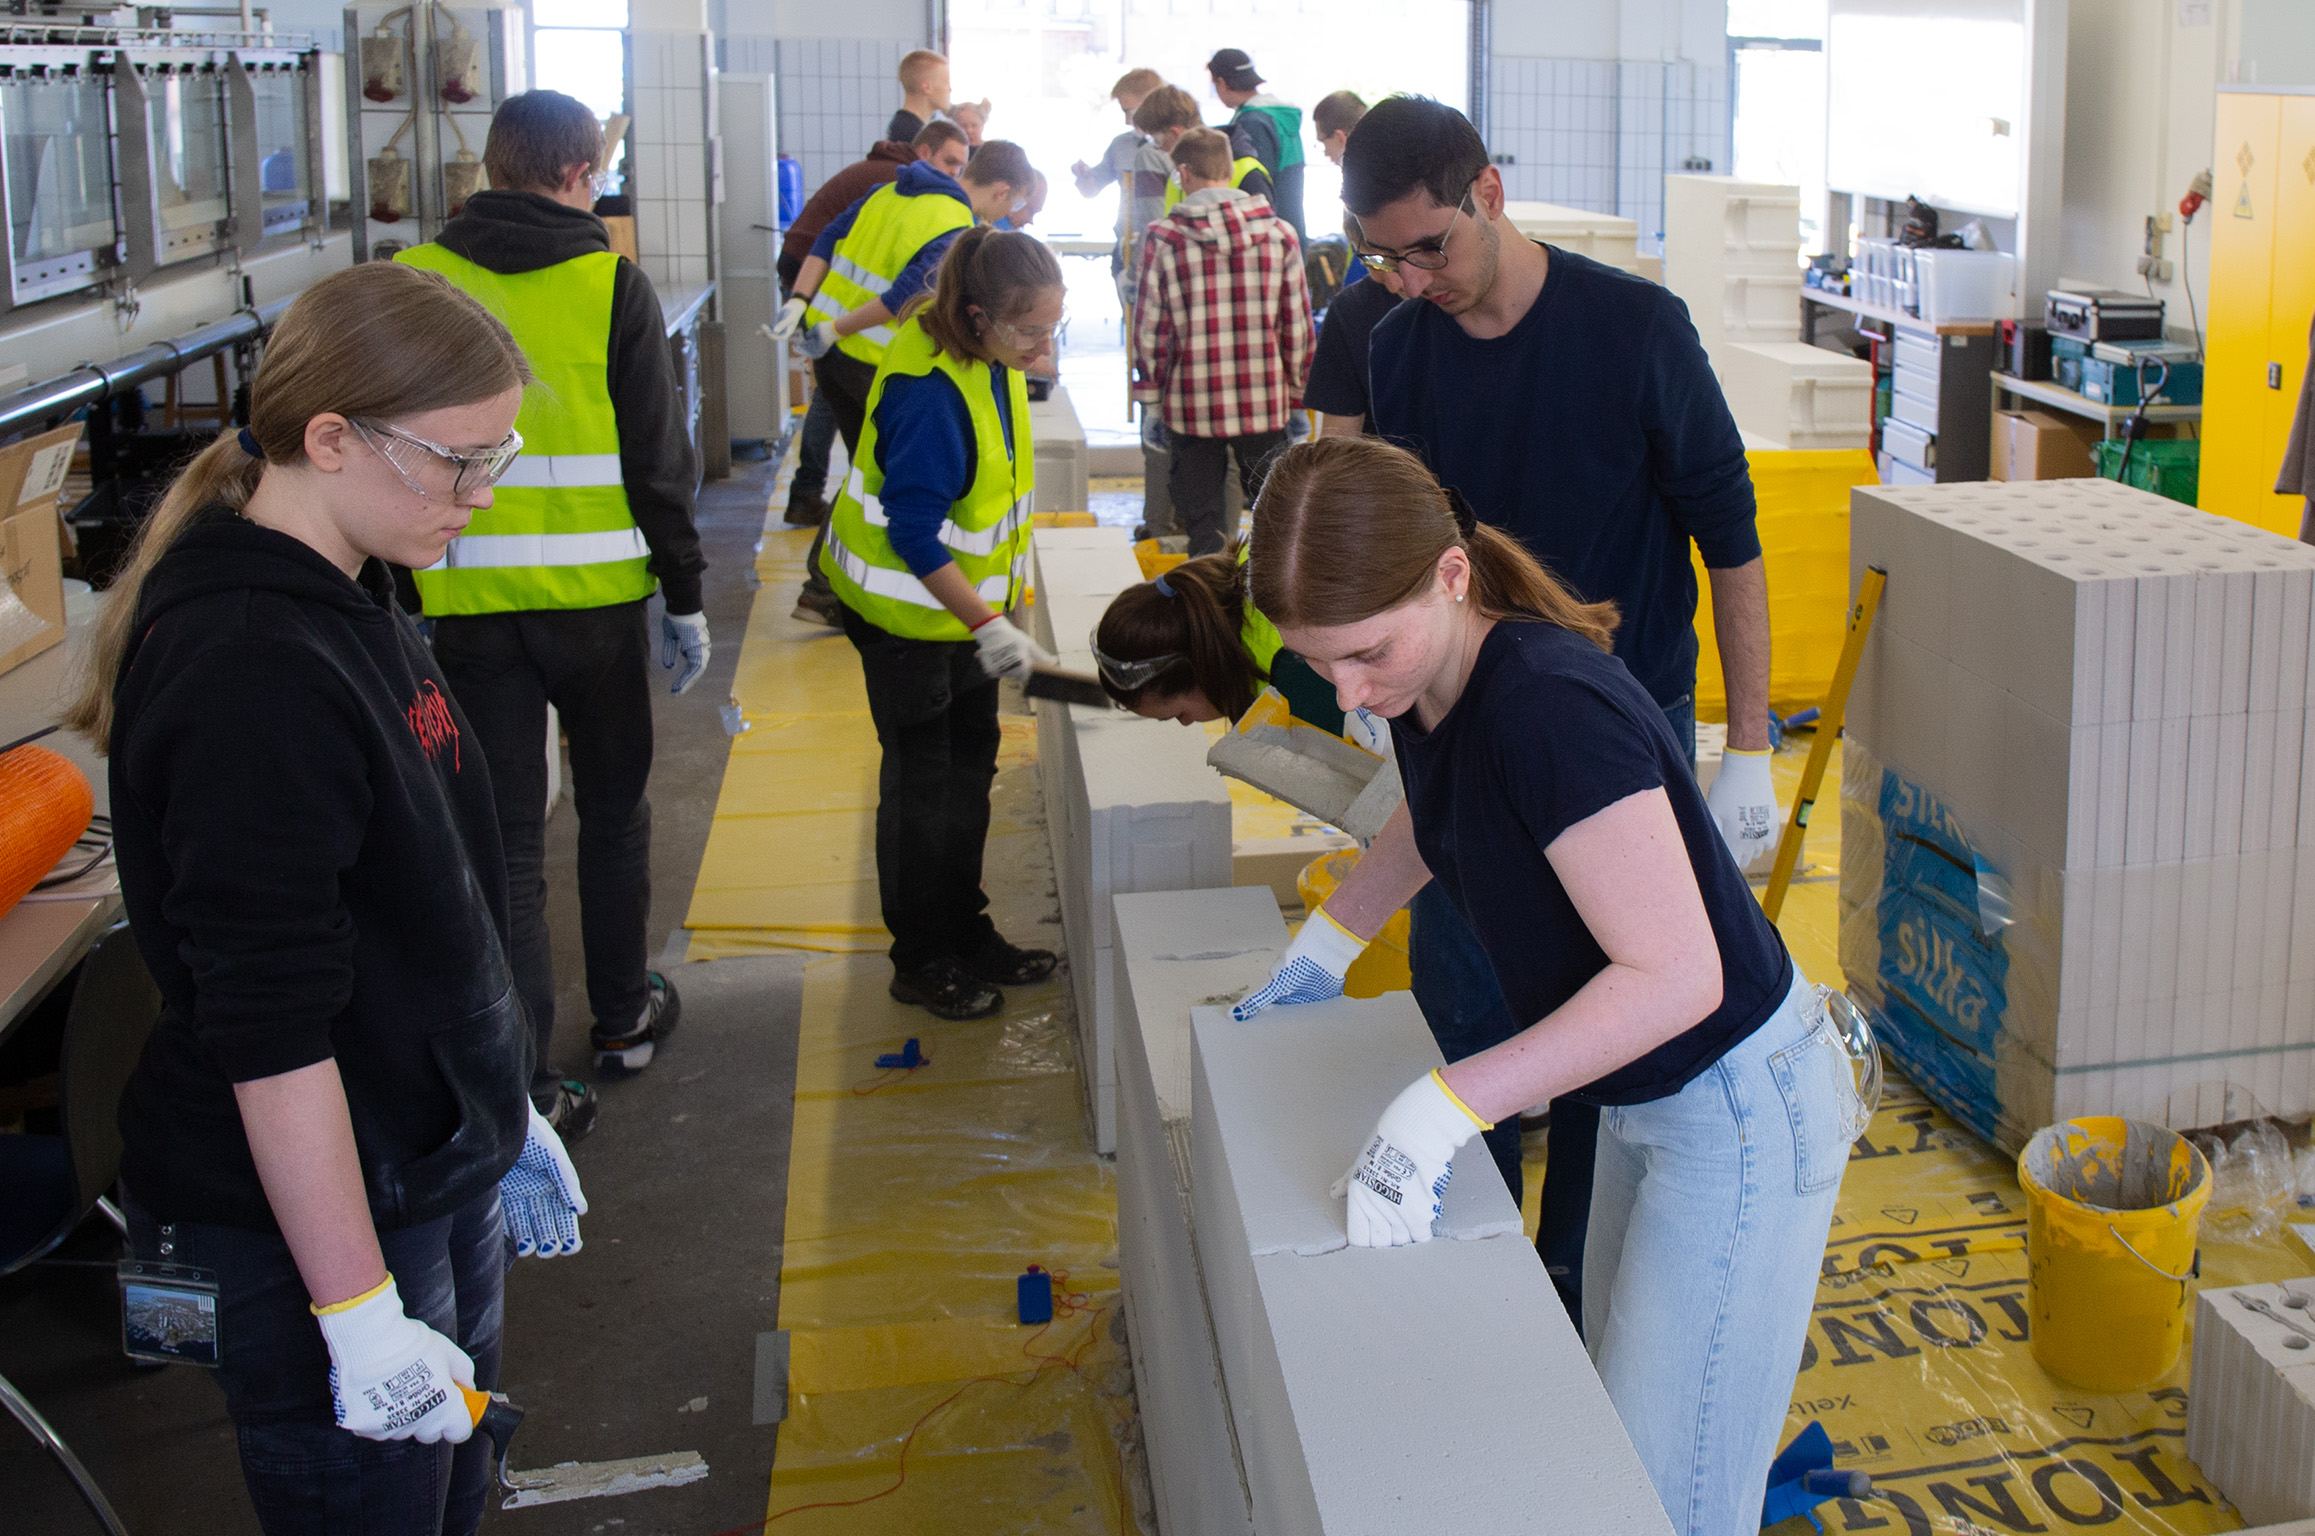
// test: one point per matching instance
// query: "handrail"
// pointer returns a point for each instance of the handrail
(36, 406)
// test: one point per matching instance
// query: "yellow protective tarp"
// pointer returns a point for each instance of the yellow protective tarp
(917, 1400)
(1803, 496)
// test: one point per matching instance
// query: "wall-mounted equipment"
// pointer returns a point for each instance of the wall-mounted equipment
(127, 152)
(426, 78)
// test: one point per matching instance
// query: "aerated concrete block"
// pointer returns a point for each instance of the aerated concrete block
(2250, 1422)
(1176, 951)
(1496, 1415)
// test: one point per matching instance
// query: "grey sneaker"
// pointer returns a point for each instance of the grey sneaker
(626, 1054)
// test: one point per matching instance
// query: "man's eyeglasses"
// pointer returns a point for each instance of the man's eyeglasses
(1429, 256)
(407, 454)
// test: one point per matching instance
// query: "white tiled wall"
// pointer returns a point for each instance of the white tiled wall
(667, 149)
(835, 93)
(1601, 133)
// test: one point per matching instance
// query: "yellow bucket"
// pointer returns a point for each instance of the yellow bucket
(1382, 966)
(2112, 1207)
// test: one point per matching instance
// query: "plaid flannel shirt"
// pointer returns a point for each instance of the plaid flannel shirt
(1221, 327)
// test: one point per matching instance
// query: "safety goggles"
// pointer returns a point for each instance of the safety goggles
(472, 473)
(1129, 674)
(1025, 337)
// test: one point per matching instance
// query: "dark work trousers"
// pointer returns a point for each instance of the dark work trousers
(811, 477)
(593, 666)
(1454, 985)
(1194, 480)
(936, 719)
(306, 1476)
(843, 382)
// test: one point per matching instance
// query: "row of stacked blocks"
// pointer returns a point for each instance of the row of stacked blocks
(2078, 820)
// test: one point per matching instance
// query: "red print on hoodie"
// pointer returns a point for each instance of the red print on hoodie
(431, 723)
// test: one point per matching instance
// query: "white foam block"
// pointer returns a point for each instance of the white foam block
(2251, 1400)
(1496, 1412)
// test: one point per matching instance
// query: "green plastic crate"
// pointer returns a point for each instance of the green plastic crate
(2169, 467)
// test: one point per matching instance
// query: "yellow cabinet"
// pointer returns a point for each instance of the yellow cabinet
(2262, 295)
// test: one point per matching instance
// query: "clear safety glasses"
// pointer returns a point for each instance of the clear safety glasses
(1129, 674)
(1026, 337)
(471, 473)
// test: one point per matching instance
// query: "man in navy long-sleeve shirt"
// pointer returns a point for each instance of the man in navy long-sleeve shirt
(1572, 405)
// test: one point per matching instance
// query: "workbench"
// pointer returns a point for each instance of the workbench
(41, 941)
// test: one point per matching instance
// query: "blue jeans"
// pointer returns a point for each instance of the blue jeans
(1454, 984)
(819, 436)
(306, 1476)
(1708, 1222)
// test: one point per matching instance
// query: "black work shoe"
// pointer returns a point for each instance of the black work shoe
(805, 511)
(1009, 965)
(573, 1112)
(626, 1054)
(946, 990)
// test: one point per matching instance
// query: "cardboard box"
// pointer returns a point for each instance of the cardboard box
(31, 482)
(2035, 445)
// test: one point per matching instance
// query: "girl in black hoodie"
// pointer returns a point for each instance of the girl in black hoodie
(311, 865)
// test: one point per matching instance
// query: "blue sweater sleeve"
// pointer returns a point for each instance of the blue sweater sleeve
(917, 275)
(924, 440)
(838, 228)
(1696, 450)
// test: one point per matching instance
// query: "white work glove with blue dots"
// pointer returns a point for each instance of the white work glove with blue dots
(1311, 971)
(540, 1195)
(1399, 1184)
(815, 340)
(684, 647)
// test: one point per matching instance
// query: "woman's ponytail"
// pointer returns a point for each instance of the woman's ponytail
(222, 474)
(1195, 613)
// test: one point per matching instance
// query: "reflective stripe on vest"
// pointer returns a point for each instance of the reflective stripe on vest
(984, 542)
(987, 529)
(885, 237)
(558, 532)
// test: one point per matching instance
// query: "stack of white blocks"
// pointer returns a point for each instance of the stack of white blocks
(1376, 1391)
(1732, 251)
(1062, 460)
(1175, 951)
(2108, 692)
(1129, 803)
(1604, 237)
(2250, 1423)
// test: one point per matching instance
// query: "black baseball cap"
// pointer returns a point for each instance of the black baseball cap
(1234, 69)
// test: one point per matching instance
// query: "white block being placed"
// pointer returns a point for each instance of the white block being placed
(1459, 1347)
(1798, 396)
(2250, 1423)
(1177, 950)
(1062, 463)
(1129, 803)
(1604, 237)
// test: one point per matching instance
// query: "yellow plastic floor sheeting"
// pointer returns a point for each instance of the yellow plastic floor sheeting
(917, 1400)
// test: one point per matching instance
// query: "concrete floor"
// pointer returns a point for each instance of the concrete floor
(607, 1350)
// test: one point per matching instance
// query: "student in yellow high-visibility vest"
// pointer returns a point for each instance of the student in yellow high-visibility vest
(927, 546)
(542, 600)
(865, 267)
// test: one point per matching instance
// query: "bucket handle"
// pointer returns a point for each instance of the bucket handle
(2194, 1271)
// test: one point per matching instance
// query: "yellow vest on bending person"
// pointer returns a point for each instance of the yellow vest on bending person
(884, 239)
(987, 529)
(558, 532)
(1240, 169)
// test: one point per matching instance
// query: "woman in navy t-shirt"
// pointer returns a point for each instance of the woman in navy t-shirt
(1547, 796)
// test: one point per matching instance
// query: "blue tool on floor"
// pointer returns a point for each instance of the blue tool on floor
(910, 1055)
(1803, 1476)
(1035, 1291)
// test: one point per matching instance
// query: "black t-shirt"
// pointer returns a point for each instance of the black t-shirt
(1549, 731)
(1338, 370)
(905, 125)
(1595, 431)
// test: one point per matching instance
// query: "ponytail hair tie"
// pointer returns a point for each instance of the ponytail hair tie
(1165, 587)
(1466, 520)
(249, 445)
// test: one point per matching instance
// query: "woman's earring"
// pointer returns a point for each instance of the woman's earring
(1458, 597)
